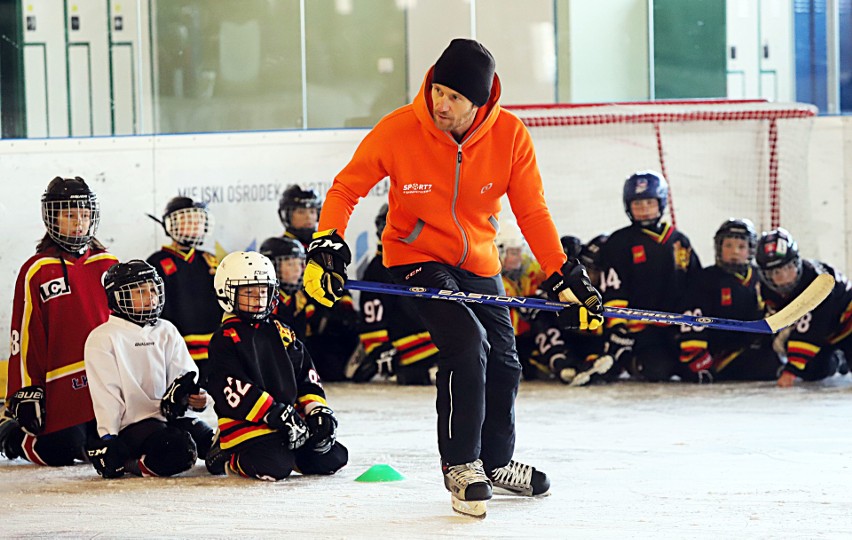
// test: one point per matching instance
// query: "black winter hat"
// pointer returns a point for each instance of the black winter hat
(467, 67)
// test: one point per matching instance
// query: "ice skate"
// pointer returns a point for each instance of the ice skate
(216, 459)
(7, 426)
(601, 365)
(520, 479)
(469, 488)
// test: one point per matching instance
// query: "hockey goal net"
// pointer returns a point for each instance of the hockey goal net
(722, 159)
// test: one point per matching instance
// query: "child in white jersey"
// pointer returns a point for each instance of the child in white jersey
(142, 382)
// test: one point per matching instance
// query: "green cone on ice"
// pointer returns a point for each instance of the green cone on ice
(380, 473)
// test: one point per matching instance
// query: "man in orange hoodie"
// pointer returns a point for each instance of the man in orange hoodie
(450, 156)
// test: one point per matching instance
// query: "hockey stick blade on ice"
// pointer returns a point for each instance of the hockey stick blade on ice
(810, 298)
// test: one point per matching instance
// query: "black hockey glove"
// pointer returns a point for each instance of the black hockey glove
(325, 274)
(285, 419)
(108, 456)
(572, 285)
(322, 424)
(176, 399)
(27, 407)
(619, 342)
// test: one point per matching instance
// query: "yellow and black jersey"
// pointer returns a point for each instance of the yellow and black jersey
(718, 293)
(191, 303)
(254, 365)
(387, 318)
(827, 325)
(649, 269)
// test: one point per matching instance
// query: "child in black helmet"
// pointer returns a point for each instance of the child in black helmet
(187, 272)
(142, 383)
(818, 345)
(57, 302)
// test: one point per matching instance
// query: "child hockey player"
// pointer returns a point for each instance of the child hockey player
(728, 289)
(58, 301)
(273, 416)
(648, 264)
(818, 345)
(187, 273)
(142, 382)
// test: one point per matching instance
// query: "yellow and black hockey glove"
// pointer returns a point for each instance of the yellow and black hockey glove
(572, 285)
(325, 274)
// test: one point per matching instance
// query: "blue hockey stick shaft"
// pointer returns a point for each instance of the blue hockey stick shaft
(759, 326)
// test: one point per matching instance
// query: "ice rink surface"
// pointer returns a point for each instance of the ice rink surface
(628, 460)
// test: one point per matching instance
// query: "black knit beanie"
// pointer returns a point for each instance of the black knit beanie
(468, 68)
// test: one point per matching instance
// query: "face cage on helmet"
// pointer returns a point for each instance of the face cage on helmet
(730, 267)
(51, 210)
(123, 298)
(193, 219)
(783, 290)
(232, 287)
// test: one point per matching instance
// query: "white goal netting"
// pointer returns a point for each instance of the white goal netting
(722, 159)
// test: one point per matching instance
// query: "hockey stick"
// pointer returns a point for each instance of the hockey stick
(810, 298)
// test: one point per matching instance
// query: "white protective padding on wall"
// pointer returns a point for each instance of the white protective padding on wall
(240, 175)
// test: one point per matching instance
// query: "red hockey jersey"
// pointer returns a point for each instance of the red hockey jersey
(54, 309)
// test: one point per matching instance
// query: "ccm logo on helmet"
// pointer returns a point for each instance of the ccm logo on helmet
(53, 288)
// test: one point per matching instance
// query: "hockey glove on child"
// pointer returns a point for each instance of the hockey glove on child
(325, 274)
(176, 399)
(108, 456)
(572, 285)
(699, 362)
(619, 342)
(27, 407)
(322, 424)
(285, 419)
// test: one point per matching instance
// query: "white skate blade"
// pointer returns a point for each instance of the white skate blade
(469, 508)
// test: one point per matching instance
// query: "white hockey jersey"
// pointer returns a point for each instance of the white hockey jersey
(129, 368)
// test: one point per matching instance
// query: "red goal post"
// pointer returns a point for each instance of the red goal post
(722, 158)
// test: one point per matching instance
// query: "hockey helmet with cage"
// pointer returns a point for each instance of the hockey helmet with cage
(571, 246)
(381, 220)
(645, 185)
(509, 237)
(295, 197)
(70, 197)
(125, 285)
(283, 248)
(590, 255)
(245, 268)
(776, 249)
(187, 222)
(735, 228)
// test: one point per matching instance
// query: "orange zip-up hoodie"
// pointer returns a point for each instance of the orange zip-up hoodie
(444, 199)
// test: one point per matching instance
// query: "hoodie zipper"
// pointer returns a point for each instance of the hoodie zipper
(453, 207)
(465, 244)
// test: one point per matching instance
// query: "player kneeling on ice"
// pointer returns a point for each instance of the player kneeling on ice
(818, 345)
(647, 265)
(142, 382)
(727, 289)
(574, 356)
(273, 416)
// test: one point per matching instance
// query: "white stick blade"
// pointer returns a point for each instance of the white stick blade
(810, 298)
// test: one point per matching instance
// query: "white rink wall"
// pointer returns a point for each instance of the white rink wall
(242, 176)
